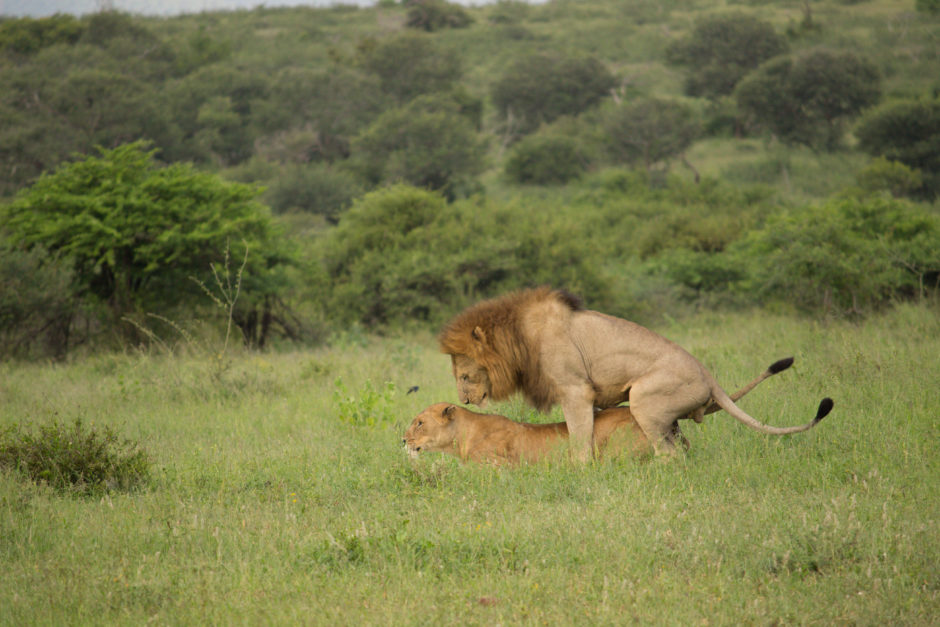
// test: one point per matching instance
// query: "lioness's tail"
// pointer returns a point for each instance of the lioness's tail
(724, 401)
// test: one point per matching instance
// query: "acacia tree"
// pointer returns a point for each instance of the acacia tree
(650, 131)
(137, 233)
(908, 132)
(808, 99)
(722, 49)
(541, 87)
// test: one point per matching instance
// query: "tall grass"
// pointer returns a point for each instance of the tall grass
(265, 506)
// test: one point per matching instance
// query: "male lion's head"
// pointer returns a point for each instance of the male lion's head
(432, 430)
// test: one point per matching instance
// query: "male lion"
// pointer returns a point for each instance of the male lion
(446, 428)
(544, 343)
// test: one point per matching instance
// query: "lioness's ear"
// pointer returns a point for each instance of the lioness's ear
(478, 335)
(448, 412)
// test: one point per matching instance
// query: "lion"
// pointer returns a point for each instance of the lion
(544, 343)
(447, 428)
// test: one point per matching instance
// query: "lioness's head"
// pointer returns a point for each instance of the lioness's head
(473, 380)
(432, 430)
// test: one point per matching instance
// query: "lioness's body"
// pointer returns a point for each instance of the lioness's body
(472, 436)
(543, 343)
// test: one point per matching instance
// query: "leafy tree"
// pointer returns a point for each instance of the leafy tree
(316, 188)
(546, 159)
(68, 99)
(214, 108)
(907, 132)
(427, 143)
(890, 176)
(136, 232)
(326, 106)
(807, 99)
(649, 131)
(432, 15)
(27, 35)
(541, 87)
(410, 64)
(722, 49)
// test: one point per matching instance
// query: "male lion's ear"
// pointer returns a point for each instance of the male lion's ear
(478, 335)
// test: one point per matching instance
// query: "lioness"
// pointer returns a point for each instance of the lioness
(544, 343)
(446, 428)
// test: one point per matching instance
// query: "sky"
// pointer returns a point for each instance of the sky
(42, 8)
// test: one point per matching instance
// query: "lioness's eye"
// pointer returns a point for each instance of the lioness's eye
(465, 378)
(420, 422)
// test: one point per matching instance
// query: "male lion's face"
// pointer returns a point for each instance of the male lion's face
(431, 430)
(473, 382)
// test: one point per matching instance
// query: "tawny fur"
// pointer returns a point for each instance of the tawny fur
(494, 439)
(543, 343)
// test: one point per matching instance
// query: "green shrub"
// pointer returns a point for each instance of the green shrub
(75, 459)
(847, 256)
(316, 188)
(891, 176)
(432, 15)
(36, 303)
(545, 160)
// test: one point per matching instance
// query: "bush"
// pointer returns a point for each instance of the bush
(890, 176)
(74, 459)
(545, 160)
(410, 64)
(36, 302)
(847, 256)
(432, 15)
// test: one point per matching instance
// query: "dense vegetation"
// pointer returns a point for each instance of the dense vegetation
(388, 165)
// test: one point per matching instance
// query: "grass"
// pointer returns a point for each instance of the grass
(266, 506)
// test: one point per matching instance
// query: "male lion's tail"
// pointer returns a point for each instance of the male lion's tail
(724, 401)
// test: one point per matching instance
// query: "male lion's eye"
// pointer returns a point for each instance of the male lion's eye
(465, 378)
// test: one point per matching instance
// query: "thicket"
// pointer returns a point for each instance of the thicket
(528, 143)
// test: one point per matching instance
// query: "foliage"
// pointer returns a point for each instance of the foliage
(427, 143)
(908, 132)
(402, 255)
(649, 131)
(315, 188)
(542, 86)
(136, 232)
(845, 256)
(546, 159)
(74, 459)
(373, 406)
(316, 112)
(891, 176)
(931, 7)
(28, 35)
(432, 15)
(36, 303)
(807, 99)
(722, 49)
(410, 64)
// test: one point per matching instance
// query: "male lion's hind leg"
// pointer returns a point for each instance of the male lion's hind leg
(658, 415)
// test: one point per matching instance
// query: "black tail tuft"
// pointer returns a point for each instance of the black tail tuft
(825, 406)
(780, 366)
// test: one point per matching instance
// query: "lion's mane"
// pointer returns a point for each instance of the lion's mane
(503, 350)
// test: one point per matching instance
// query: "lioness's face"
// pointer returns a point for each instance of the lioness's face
(431, 430)
(473, 382)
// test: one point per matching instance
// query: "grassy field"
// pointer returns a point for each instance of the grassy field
(280, 494)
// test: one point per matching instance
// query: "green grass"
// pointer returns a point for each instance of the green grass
(265, 506)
